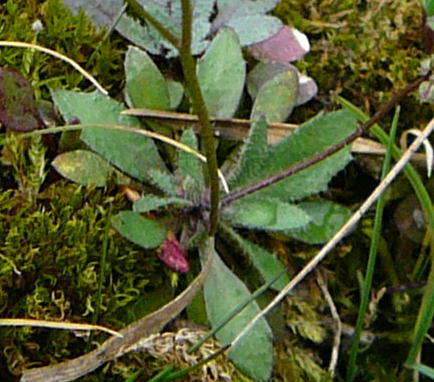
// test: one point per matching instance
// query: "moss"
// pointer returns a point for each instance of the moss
(55, 244)
(52, 232)
(362, 50)
(72, 35)
(50, 258)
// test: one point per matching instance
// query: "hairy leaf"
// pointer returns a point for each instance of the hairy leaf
(151, 202)
(252, 29)
(163, 181)
(141, 35)
(103, 13)
(190, 167)
(312, 137)
(268, 214)
(267, 264)
(176, 92)
(145, 85)
(168, 13)
(327, 218)
(223, 292)
(230, 8)
(83, 167)
(247, 19)
(253, 154)
(142, 231)
(135, 154)
(221, 73)
(264, 72)
(276, 98)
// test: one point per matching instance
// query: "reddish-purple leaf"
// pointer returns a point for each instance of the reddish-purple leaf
(18, 107)
(289, 44)
(173, 254)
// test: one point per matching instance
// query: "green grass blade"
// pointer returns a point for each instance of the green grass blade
(367, 284)
(162, 375)
(426, 311)
(423, 369)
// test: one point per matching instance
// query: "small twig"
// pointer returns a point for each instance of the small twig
(331, 150)
(338, 323)
(19, 44)
(341, 233)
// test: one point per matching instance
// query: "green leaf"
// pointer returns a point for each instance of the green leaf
(312, 137)
(221, 74)
(230, 8)
(163, 181)
(142, 231)
(176, 92)
(327, 218)
(190, 167)
(145, 37)
(151, 202)
(253, 154)
(145, 85)
(267, 264)
(223, 292)
(132, 153)
(150, 39)
(262, 73)
(276, 98)
(102, 13)
(268, 214)
(254, 28)
(83, 167)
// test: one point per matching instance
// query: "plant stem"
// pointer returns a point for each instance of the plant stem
(193, 87)
(192, 84)
(143, 14)
(328, 152)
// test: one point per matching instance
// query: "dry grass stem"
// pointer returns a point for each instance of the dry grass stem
(348, 226)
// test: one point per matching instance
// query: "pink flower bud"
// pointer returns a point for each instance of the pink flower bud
(173, 255)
